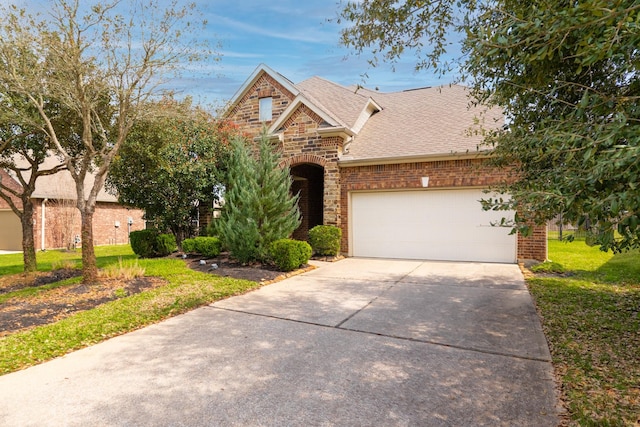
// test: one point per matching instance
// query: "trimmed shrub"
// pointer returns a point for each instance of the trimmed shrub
(325, 239)
(208, 246)
(189, 245)
(150, 243)
(288, 254)
(165, 244)
(143, 242)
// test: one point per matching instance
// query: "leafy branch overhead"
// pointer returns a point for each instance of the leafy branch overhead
(567, 77)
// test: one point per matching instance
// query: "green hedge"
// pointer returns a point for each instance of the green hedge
(151, 243)
(289, 254)
(325, 239)
(189, 245)
(206, 246)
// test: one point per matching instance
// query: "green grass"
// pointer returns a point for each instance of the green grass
(592, 322)
(185, 289)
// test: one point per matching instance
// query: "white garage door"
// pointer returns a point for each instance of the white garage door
(434, 224)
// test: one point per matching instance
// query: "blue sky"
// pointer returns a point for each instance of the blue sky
(294, 37)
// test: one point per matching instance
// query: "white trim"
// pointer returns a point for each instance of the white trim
(346, 162)
(43, 222)
(368, 110)
(293, 106)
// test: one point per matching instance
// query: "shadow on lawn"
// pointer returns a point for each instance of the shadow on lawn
(13, 264)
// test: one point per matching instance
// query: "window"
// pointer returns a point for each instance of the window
(265, 109)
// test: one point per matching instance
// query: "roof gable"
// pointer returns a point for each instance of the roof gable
(374, 126)
(253, 78)
(349, 107)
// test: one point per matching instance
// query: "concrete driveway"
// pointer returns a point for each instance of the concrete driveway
(358, 342)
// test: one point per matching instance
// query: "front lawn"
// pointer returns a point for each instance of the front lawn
(590, 309)
(185, 289)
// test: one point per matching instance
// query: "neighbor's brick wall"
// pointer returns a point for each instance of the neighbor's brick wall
(62, 223)
(11, 183)
(104, 231)
(442, 174)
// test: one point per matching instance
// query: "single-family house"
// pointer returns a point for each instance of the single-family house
(56, 218)
(400, 173)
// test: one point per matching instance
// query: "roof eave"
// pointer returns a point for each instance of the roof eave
(301, 100)
(482, 154)
(340, 131)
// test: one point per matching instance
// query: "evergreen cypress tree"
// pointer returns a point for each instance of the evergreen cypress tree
(236, 226)
(259, 208)
(278, 214)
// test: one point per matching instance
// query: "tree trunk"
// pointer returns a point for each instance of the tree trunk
(28, 240)
(89, 266)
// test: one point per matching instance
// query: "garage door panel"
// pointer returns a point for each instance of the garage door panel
(431, 224)
(10, 231)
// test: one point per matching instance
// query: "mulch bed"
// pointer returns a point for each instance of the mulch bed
(56, 304)
(226, 267)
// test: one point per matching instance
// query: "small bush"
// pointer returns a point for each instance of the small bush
(289, 254)
(189, 245)
(325, 239)
(549, 267)
(150, 243)
(208, 246)
(143, 242)
(165, 244)
(64, 264)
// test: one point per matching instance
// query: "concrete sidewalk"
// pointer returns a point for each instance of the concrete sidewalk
(357, 342)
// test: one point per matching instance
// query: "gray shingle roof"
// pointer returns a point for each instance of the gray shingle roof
(341, 103)
(61, 185)
(414, 123)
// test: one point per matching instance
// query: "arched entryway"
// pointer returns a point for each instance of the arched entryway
(308, 183)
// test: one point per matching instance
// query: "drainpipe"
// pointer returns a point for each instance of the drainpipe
(43, 228)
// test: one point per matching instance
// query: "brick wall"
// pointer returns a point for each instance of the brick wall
(302, 144)
(300, 140)
(62, 223)
(246, 112)
(442, 174)
(11, 183)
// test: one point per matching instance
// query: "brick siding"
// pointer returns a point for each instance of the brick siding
(11, 183)
(62, 224)
(300, 141)
(246, 113)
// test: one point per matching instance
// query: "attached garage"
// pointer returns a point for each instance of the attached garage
(10, 231)
(428, 224)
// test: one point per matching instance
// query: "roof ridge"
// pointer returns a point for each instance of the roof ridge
(345, 88)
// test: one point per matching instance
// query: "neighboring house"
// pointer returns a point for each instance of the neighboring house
(400, 173)
(57, 219)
